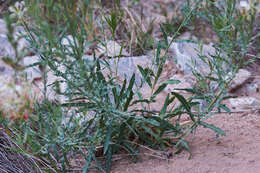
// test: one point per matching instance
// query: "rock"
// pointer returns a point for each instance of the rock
(244, 5)
(245, 103)
(15, 97)
(127, 66)
(3, 29)
(5, 69)
(252, 89)
(19, 35)
(187, 55)
(6, 49)
(51, 92)
(111, 49)
(32, 72)
(68, 43)
(241, 77)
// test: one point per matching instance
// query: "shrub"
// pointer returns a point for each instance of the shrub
(99, 110)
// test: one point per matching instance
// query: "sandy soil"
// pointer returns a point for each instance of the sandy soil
(238, 152)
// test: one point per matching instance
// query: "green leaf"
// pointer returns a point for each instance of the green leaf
(121, 94)
(122, 129)
(158, 52)
(131, 84)
(88, 162)
(159, 71)
(172, 81)
(163, 123)
(188, 90)
(140, 101)
(149, 131)
(114, 91)
(107, 140)
(151, 121)
(109, 159)
(128, 100)
(97, 163)
(164, 108)
(145, 75)
(131, 150)
(183, 144)
(87, 105)
(160, 89)
(183, 101)
(164, 35)
(224, 107)
(213, 127)
(185, 104)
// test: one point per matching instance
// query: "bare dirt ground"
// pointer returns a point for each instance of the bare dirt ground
(238, 152)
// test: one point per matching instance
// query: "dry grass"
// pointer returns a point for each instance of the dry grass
(11, 160)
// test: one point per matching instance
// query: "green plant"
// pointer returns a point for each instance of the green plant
(100, 111)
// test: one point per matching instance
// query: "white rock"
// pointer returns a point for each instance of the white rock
(88, 57)
(245, 103)
(19, 34)
(3, 29)
(68, 42)
(32, 72)
(241, 77)
(244, 5)
(111, 49)
(51, 88)
(252, 89)
(14, 98)
(6, 49)
(187, 55)
(5, 69)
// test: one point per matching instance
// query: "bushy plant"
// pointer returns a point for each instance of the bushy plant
(99, 110)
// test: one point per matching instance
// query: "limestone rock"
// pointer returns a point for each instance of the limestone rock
(245, 103)
(241, 77)
(127, 66)
(15, 97)
(19, 35)
(5, 69)
(187, 55)
(252, 89)
(68, 42)
(3, 29)
(6, 49)
(111, 49)
(32, 72)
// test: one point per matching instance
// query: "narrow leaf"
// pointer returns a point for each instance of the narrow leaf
(107, 140)
(164, 108)
(213, 127)
(172, 81)
(182, 100)
(160, 89)
(145, 75)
